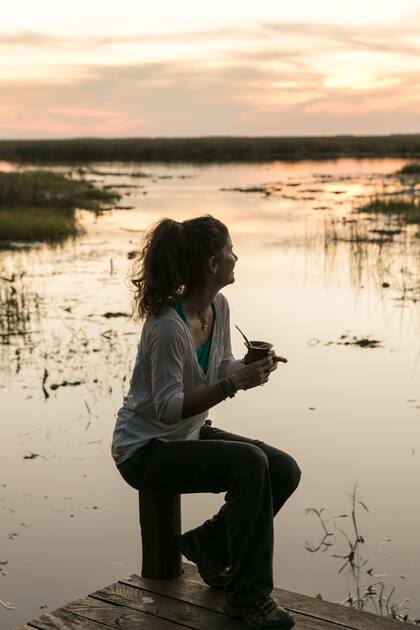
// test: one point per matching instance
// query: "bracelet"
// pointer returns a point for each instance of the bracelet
(226, 388)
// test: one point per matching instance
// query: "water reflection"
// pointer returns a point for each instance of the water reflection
(309, 268)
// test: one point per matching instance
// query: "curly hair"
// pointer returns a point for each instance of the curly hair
(172, 261)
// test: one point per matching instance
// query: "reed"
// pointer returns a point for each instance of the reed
(37, 224)
(371, 592)
(412, 168)
(19, 306)
(209, 149)
(403, 207)
(41, 205)
(49, 189)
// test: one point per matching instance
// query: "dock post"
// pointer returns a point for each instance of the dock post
(160, 523)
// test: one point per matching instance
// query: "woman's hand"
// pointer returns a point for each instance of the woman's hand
(256, 373)
(271, 353)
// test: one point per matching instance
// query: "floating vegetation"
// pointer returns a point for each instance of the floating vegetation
(19, 307)
(403, 207)
(382, 247)
(109, 315)
(412, 168)
(249, 189)
(55, 386)
(41, 205)
(369, 593)
(362, 342)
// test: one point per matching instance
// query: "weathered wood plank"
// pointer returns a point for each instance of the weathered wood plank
(166, 607)
(63, 620)
(137, 603)
(206, 598)
(119, 617)
(178, 588)
(329, 611)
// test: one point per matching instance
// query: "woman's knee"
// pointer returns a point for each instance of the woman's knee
(287, 470)
(249, 457)
(295, 474)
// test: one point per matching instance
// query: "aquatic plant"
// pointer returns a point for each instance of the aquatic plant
(41, 205)
(402, 207)
(368, 593)
(42, 224)
(382, 247)
(19, 306)
(412, 168)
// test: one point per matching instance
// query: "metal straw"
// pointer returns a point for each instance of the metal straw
(248, 344)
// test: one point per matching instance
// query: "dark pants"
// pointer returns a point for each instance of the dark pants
(257, 478)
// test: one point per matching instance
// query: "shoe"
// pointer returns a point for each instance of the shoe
(212, 573)
(261, 615)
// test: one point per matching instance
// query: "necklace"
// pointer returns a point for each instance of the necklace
(203, 318)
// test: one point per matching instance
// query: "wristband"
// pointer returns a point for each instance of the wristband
(226, 388)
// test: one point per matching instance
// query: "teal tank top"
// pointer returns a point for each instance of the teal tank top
(203, 352)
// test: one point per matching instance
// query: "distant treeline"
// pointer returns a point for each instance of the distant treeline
(209, 149)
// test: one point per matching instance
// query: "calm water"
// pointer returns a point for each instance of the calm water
(348, 414)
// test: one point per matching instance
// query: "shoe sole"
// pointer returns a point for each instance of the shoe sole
(233, 612)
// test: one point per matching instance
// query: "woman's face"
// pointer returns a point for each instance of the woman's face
(226, 262)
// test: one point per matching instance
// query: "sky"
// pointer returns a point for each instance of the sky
(181, 68)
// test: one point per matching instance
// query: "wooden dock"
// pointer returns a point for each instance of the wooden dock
(136, 603)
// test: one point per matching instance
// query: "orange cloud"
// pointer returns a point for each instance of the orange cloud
(278, 78)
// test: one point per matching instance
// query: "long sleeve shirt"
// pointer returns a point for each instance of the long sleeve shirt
(167, 368)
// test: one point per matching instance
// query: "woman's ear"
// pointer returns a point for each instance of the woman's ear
(212, 264)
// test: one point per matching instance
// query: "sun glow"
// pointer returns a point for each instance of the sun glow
(266, 69)
(356, 81)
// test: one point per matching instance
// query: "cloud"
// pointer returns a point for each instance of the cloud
(42, 40)
(389, 39)
(28, 38)
(181, 99)
(277, 78)
(398, 38)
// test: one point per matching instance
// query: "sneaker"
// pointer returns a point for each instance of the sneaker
(212, 573)
(261, 615)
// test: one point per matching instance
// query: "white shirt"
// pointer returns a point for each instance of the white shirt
(166, 368)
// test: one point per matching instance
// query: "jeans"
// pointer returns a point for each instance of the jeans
(257, 478)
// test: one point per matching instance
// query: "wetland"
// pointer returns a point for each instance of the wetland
(330, 253)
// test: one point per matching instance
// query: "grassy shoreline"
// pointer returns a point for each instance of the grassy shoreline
(41, 205)
(206, 150)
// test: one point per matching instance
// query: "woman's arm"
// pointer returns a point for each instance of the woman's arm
(249, 376)
(200, 400)
(167, 357)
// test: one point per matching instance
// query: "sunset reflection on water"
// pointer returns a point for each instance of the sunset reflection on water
(346, 413)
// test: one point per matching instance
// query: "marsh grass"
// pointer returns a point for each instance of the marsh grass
(209, 149)
(369, 592)
(412, 168)
(379, 251)
(41, 205)
(37, 224)
(404, 208)
(19, 307)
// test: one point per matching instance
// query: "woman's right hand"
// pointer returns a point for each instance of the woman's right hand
(253, 374)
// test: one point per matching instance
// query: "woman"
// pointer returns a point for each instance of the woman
(162, 440)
